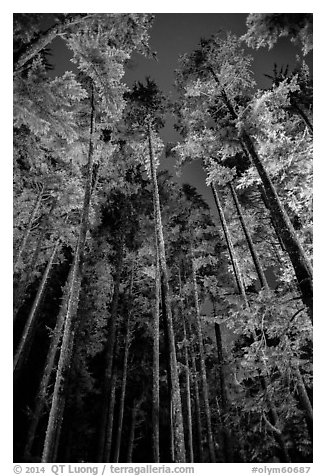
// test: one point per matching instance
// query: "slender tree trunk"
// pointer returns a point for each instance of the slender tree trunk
(20, 292)
(277, 432)
(168, 363)
(59, 393)
(124, 379)
(41, 397)
(59, 396)
(303, 115)
(21, 289)
(211, 445)
(29, 329)
(253, 252)
(172, 433)
(304, 399)
(109, 427)
(234, 262)
(197, 408)
(46, 38)
(131, 440)
(274, 227)
(109, 355)
(176, 398)
(227, 437)
(188, 396)
(299, 260)
(187, 369)
(242, 291)
(32, 217)
(156, 364)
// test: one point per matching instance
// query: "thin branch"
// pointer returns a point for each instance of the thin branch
(271, 427)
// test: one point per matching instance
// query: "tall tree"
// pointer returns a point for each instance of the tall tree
(219, 70)
(148, 116)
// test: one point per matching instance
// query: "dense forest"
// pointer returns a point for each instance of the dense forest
(149, 327)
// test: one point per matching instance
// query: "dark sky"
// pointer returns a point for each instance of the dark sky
(176, 33)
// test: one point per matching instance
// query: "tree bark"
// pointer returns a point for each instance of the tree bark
(32, 217)
(124, 379)
(304, 399)
(168, 364)
(109, 426)
(41, 397)
(21, 289)
(274, 227)
(302, 114)
(203, 375)
(188, 397)
(156, 363)
(187, 370)
(131, 440)
(59, 392)
(251, 246)
(59, 396)
(176, 398)
(29, 329)
(197, 408)
(227, 437)
(109, 355)
(299, 260)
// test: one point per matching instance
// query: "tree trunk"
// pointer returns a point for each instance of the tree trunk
(242, 291)
(227, 437)
(59, 396)
(234, 262)
(21, 288)
(124, 379)
(172, 432)
(277, 432)
(46, 38)
(304, 399)
(109, 355)
(20, 292)
(180, 456)
(253, 252)
(302, 114)
(62, 374)
(41, 397)
(274, 227)
(211, 445)
(187, 369)
(168, 364)
(29, 329)
(188, 396)
(130, 448)
(299, 260)
(109, 426)
(156, 364)
(32, 217)
(197, 408)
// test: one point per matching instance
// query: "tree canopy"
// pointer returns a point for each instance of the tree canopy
(148, 325)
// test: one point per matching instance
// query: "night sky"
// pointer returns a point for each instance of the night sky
(172, 35)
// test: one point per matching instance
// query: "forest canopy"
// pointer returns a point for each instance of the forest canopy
(150, 326)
